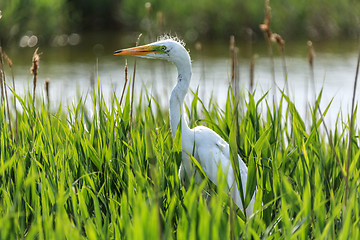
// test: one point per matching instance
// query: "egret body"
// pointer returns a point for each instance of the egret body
(206, 146)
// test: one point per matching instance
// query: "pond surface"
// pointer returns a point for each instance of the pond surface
(72, 71)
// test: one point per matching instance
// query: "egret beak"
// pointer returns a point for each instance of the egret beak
(136, 51)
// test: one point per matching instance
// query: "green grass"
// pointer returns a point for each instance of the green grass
(75, 175)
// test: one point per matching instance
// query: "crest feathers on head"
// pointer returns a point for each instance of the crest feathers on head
(169, 37)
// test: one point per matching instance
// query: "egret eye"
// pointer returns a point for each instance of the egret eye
(163, 48)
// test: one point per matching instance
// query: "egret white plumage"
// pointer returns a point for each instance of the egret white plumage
(206, 146)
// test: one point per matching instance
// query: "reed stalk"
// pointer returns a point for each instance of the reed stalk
(160, 22)
(92, 78)
(126, 80)
(232, 219)
(5, 90)
(252, 71)
(2, 76)
(232, 57)
(10, 64)
(265, 27)
(351, 130)
(234, 67)
(281, 43)
(249, 35)
(317, 106)
(148, 21)
(133, 84)
(47, 83)
(6, 95)
(311, 56)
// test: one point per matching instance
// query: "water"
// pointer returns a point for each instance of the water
(71, 69)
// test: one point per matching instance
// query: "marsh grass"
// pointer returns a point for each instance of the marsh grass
(110, 171)
(72, 174)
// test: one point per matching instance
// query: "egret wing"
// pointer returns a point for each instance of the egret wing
(213, 152)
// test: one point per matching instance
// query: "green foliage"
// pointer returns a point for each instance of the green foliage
(71, 174)
(213, 19)
(42, 17)
(193, 20)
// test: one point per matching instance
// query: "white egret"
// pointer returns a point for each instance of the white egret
(207, 147)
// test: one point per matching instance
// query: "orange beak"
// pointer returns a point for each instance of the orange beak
(135, 51)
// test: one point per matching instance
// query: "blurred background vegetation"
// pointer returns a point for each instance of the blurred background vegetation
(203, 20)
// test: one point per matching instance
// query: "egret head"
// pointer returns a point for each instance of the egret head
(167, 49)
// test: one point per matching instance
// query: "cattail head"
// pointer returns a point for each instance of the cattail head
(47, 82)
(311, 53)
(34, 70)
(10, 63)
(252, 67)
(198, 46)
(35, 63)
(267, 13)
(160, 18)
(265, 27)
(126, 70)
(278, 39)
(232, 43)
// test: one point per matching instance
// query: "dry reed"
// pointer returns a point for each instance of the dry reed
(34, 70)
(126, 80)
(281, 43)
(199, 49)
(160, 21)
(5, 90)
(92, 78)
(232, 56)
(311, 56)
(148, 21)
(265, 27)
(249, 33)
(10, 64)
(2, 76)
(234, 68)
(252, 71)
(47, 83)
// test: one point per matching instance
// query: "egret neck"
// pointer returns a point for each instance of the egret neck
(177, 97)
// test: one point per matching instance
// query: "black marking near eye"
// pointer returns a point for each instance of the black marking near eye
(167, 51)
